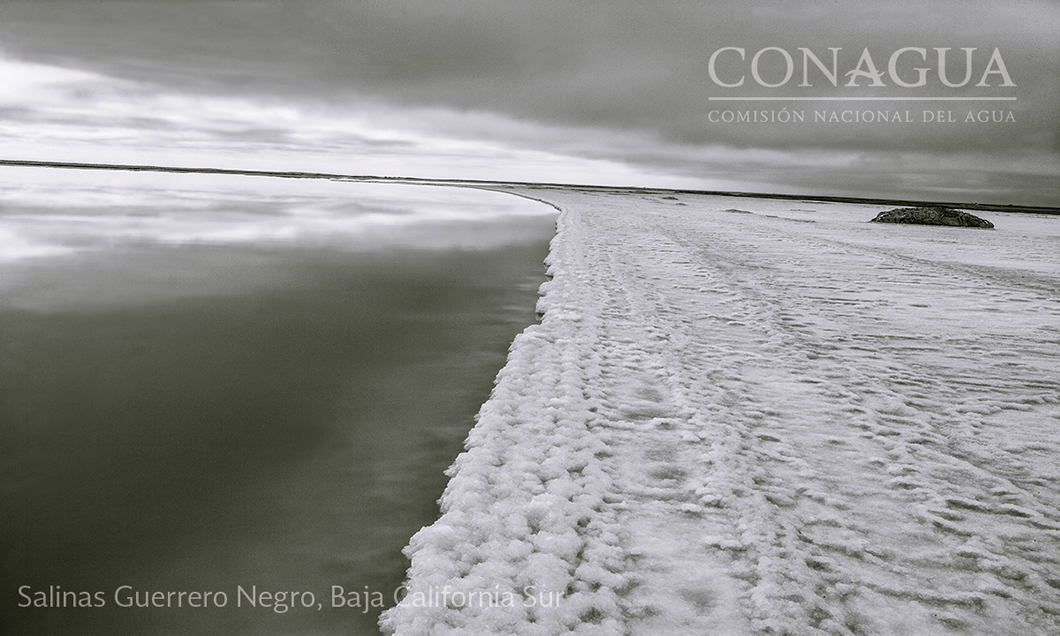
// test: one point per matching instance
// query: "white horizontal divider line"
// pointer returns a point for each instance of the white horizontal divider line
(862, 99)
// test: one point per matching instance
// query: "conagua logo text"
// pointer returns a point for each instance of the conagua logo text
(773, 67)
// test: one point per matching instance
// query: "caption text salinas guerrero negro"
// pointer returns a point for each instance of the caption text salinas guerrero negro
(281, 601)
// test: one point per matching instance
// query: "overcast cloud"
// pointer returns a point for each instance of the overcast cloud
(592, 91)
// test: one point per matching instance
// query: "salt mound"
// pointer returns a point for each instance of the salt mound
(932, 216)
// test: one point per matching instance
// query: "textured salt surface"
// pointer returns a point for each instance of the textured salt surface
(783, 422)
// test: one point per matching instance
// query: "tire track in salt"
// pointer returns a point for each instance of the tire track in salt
(821, 491)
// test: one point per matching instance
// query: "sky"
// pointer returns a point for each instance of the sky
(588, 91)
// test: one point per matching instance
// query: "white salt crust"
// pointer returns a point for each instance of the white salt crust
(787, 421)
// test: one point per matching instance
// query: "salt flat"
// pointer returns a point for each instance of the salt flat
(744, 416)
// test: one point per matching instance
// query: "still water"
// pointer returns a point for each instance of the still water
(238, 416)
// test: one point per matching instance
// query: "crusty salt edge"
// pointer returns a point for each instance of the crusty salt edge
(527, 542)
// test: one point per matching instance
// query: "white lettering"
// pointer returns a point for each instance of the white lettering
(995, 60)
(833, 77)
(713, 60)
(870, 72)
(892, 68)
(789, 70)
(967, 67)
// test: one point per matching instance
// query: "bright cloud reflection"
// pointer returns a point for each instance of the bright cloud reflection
(50, 212)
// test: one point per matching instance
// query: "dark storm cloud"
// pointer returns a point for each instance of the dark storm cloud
(630, 71)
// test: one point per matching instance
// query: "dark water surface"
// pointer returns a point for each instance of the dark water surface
(288, 437)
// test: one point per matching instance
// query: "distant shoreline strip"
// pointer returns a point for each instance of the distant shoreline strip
(861, 99)
(490, 184)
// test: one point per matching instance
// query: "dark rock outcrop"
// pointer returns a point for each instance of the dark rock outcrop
(932, 216)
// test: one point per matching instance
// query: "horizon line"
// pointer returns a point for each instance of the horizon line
(294, 174)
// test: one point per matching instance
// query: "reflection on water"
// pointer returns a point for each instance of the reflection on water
(283, 437)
